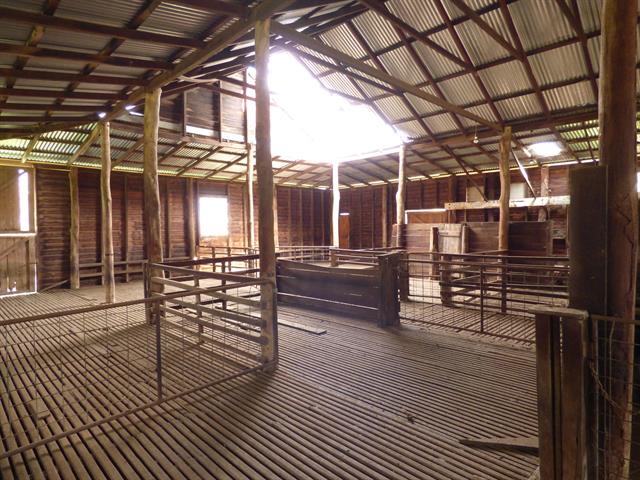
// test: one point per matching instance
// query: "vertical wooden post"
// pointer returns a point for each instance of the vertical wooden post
(107, 221)
(404, 279)
(323, 219)
(300, 218)
(276, 230)
(124, 235)
(264, 167)
(617, 122)
(548, 380)
(74, 230)
(335, 206)
(33, 227)
(153, 234)
(434, 244)
(400, 194)
(446, 277)
(388, 304)
(190, 199)
(505, 185)
(545, 191)
(249, 195)
(385, 214)
(464, 238)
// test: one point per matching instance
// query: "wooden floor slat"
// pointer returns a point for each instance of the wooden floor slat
(355, 403)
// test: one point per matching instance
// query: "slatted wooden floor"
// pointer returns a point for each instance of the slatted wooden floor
(355, 403)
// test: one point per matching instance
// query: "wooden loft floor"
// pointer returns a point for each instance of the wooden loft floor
(355, 403)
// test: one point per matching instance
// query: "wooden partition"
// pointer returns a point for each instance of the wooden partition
(525, 238)
(358, 289)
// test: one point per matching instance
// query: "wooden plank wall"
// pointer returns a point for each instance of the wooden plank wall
(364, 204)
(53, 206)
(302, 219)
(303, 216)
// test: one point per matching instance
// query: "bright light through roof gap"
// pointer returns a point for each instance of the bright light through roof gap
(310, 123)
(545, 149)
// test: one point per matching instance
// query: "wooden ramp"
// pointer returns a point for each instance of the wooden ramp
(357, 402)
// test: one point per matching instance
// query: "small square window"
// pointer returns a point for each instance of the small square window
(213, 216)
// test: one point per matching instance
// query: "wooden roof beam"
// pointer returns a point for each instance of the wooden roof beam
(345, 59)
(485, 27)
(228, 165)
(379, 7)
(85, 145)
(69, 77)
(529, 72)
(128, 153)
(34, 107)
(36, 34)
(574, 19)
(191, 165)
(91, 28)
(236, 30)
(72, 56)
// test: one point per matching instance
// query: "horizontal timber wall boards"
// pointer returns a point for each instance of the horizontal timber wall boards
(364, 204)
(302, 217)
(525, 238)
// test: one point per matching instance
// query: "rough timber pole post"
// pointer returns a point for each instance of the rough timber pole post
(251, 241)
(107, 222)
(384, 219)
(191, 219)
(264, 170)
(617, 121)
(505, 184)
(503, 226)
(74, 230)
(402, 180)
(335, 205)
(153, 235)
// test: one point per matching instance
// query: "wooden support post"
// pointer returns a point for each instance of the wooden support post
(617, 122)
(264, 168)
(384, 219)
(124, 229)
(446, 291)
(153, 232)
(434, 247)
(74, 230)
(190, 200)
(276, 230)
(335, 206)
(587, 282)
(545, 191)
(323, 219)
(249, 197)
(107, 220)
(400, 194)
(404, 284)
(548, 378)
(33, 226)
(464, 238)
(505, 185)
(388, 305)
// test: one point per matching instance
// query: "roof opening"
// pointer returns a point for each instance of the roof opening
(310, 123)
